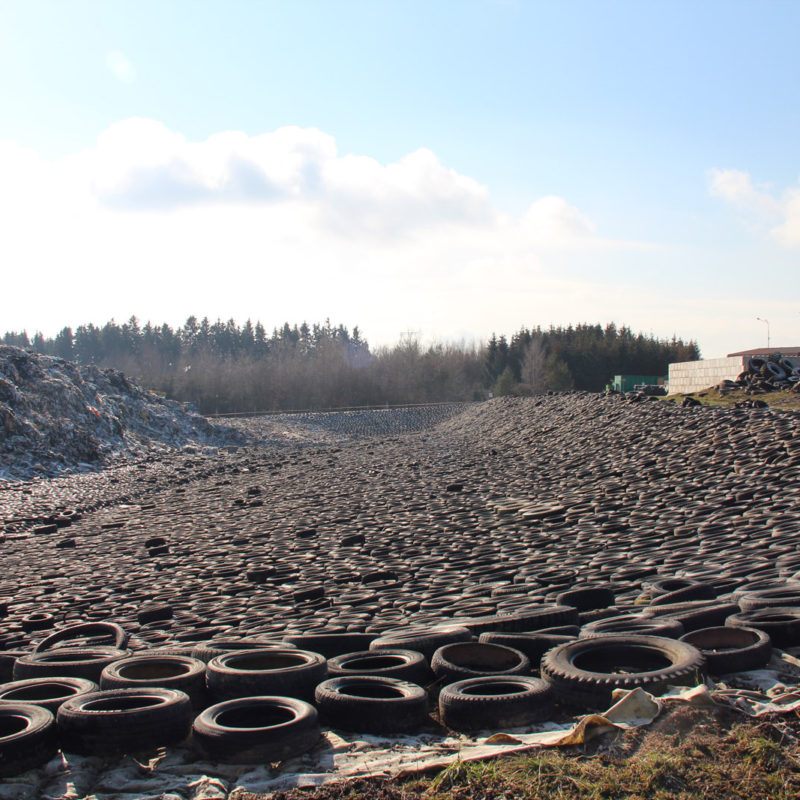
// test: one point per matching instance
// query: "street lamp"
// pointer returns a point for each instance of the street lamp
(766, 322)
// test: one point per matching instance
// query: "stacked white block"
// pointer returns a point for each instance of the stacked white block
(694, 376)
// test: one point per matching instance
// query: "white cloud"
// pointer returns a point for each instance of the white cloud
(140, 164)
(779, 214)
(552, 219)
(276, 226)
(788, 232)
(121, 66)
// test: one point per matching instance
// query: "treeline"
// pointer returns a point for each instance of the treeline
(579, 357)
(223, 366)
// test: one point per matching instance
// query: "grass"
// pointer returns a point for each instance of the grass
(712, 397)
(686, 753)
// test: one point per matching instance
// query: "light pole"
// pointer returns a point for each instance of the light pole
(766, 322)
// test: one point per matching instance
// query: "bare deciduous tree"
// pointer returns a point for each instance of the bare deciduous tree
(534, 366)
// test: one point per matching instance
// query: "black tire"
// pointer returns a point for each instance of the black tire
(533, 645)
(7, 660)
(84, 632)
(634, 623)
(584, 673)
(731, 649)
(536, 618)
(256, 730)
(781, 624)
(68, 662)
(558, 630)
(249, 673)
(167, 672)
(694, 615)
(47, 693)
(366, 704)
(216, 647)
(424, 640)
(124, 721)
(694, 591)
(495, 702)
(331, 644)
(587, 598)
(405, 665)
(38, 621)
(662, 586)
(455, 662)
(770, 598)
(27, 737)
(154, 613)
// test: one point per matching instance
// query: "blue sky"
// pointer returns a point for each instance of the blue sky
(455, 168)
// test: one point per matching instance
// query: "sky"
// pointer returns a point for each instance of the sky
(447, 169)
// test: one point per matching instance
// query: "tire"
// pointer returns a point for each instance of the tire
(488, 622)
(404, 665)
(216, 647)
(154, 613)
(731, 649)
(770, 598)
(781, 624)
(27, 737)
(587, 598)
(694, 615)
(536, 618)
(634, 623)
(48, 693)
(695, 591)
(257, 730)
(424, 640)
(68, 662)
(7, 660)
(37, 622)
(663, 586)
(559, 630)
(584, 673)
(248, 673)
(455, 662)
(84, 631)
(366, 704)
(775, 370)
(533, 645)
(331, 644)
(124, 721)
(495, 703)
(167, 672)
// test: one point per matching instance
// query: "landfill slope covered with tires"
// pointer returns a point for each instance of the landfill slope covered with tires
(57, 416)
(502, 566)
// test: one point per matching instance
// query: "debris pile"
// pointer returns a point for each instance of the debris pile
(56, 417)
(763, 375)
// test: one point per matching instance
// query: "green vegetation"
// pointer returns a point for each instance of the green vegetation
(685, 755)
(712, 397)
(223, 367)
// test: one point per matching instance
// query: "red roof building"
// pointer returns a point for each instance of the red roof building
(786, 352)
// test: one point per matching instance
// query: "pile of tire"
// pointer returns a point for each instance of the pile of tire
(82, 688)
(771, 374)
(506, 549)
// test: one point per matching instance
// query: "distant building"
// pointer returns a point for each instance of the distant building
(761, 352)
(694, 376)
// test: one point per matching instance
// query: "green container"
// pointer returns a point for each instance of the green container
(625, 383)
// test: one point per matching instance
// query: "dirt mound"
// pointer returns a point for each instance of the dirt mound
(56, 416)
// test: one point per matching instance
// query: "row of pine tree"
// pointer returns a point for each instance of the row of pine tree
(226, 367)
